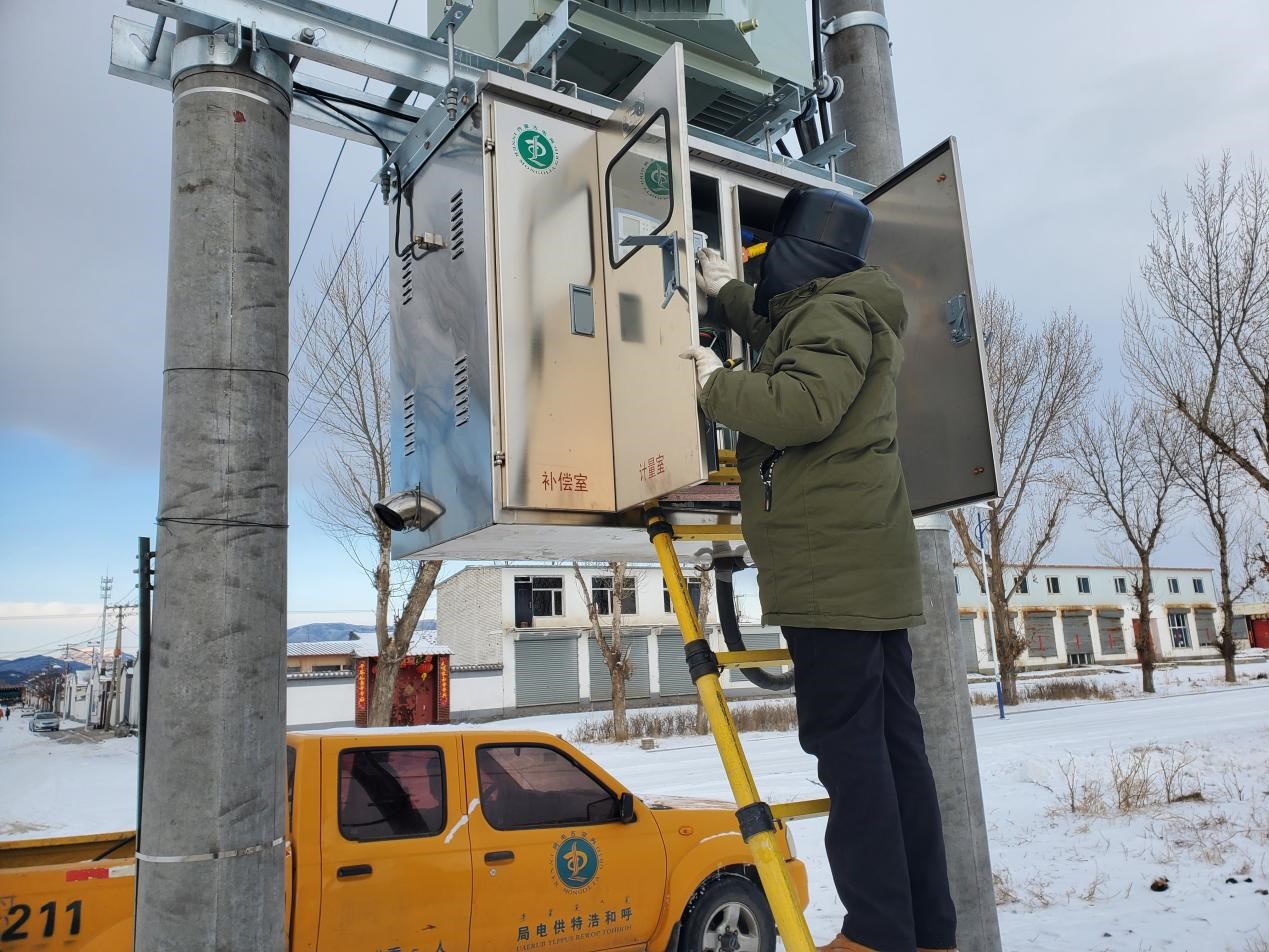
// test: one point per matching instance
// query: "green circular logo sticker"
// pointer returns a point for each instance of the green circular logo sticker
(656, 178)
(535, 149)
(576, 862)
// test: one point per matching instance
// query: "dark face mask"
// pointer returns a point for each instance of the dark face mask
(818, 233)
(791, 262)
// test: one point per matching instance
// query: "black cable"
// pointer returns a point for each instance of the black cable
(330, 178)
(351, 101)
(348, 117)
(723, 569)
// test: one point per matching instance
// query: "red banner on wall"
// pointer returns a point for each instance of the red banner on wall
(362, 691)
(442, 689)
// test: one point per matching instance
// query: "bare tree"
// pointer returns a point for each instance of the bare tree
(1125, 482)
(1200, 345)
(1040, 381)
(616, 657)
(1217, 486)
(342, 387)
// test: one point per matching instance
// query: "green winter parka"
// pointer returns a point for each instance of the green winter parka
(823, 502)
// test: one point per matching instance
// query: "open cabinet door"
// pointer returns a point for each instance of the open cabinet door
(650, 288)
(946, 435)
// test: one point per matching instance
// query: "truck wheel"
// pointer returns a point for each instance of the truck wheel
(730, 915)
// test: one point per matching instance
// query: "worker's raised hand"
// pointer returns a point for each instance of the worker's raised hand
(707, 363)
(712, 272)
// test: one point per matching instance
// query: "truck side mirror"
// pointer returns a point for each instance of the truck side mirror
(626, 808)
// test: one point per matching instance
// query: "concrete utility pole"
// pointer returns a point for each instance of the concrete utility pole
(95, 690)
(211, 865)
(858, 50)
(112, 716)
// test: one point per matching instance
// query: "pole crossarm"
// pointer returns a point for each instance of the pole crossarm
(129, 40)
(325, 34)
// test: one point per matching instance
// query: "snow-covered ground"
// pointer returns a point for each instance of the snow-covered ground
(1069, 881)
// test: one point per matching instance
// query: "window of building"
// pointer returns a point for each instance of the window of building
(1179, 625)
(1082, 584)
(538, 596)
(1054, 587)
(292, 669)
(1022, 584)
(1198, 586)
(1121, 585)
(391, 793)
(693, 593)
(524, 786)
(601, 593)
(1174, 586)
(329, 667)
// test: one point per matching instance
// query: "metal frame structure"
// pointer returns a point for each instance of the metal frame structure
(434, 66)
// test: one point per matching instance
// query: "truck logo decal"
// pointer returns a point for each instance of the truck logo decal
(535, 149)
(576, 862)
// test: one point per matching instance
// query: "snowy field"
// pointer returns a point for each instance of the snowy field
(1074, 865)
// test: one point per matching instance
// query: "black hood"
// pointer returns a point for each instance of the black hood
(819, 233)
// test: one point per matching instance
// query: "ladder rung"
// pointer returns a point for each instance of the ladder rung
(800, 809)
(754, 659)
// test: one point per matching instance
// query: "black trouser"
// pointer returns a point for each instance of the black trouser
(857, 716)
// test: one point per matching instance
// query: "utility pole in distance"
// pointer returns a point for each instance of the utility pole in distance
(857, 48)
(210, 871)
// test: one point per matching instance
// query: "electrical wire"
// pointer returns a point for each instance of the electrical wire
(322, 201)
(369, 341)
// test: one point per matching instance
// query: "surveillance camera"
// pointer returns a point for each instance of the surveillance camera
(411, 509)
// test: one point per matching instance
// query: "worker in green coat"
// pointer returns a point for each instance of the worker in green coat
(826, 518)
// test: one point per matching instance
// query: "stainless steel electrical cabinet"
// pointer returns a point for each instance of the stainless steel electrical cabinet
(537, 390)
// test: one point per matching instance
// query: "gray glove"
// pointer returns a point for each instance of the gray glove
(712, 272)
(707, 363)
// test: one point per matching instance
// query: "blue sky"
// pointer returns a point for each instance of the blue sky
(1069, 126)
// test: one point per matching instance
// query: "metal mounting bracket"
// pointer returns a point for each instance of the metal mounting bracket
(827, 151)
(445, 112)
(668, 243)
(956, 314)
(455, 12)
(552, 39)
(859, 18)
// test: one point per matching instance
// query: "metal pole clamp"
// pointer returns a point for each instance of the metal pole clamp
(859, 18)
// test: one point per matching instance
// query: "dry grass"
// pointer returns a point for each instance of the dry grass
(1132, 779)
(765, 716)
(1003, 885)
(1063, 689)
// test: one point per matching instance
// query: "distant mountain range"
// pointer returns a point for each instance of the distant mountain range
(17, 670)
(339, 631)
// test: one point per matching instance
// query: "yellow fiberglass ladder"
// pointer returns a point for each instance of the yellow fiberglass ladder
(759, 821)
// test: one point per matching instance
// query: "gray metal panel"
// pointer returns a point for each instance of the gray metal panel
(1110, 631)
(546, 671)
(1076, 634)
(639, 685)
(920, 238)
(1205, 625)
(671, 666)
(557, 422)
(969, 643)
(441, 347)
(659, 446)
(1041, 642)
(762, 640)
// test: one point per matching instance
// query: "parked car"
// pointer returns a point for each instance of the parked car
(523, 841)
(45, 721)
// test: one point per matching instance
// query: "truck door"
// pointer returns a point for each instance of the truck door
(919, 237)
(650, 290)
(554, 864)
(396, 861)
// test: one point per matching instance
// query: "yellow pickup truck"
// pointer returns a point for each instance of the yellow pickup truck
(444, 841)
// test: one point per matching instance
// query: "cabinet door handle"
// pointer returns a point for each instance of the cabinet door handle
(344, 872)
(499, 856)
